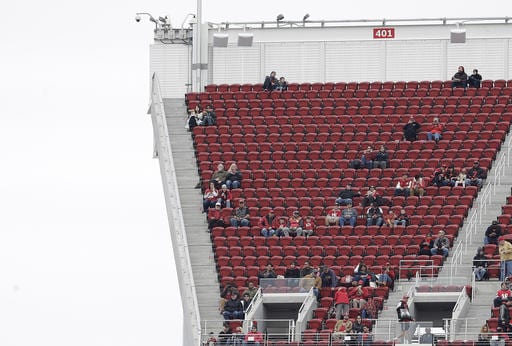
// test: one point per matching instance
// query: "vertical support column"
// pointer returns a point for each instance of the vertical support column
(197, 38)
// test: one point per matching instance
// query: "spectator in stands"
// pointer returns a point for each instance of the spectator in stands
(269, 224)
(240, 215)
(372, 196)
(211, 341)
(268, 273)
(215, 217)
(385, 279)
(435, 131)
(365, 338)
(253, 337)
(219, 176)
(224, 197)
(461, 178)
(428, 337)
(233, 177)
(357, 325)
(361, 274)
(281, 84)
(251, 290)
(503, 294)
(233, 308)
(209, 118)
(342, 328)
(504, 315)
(498, 338)
(192, 120)
(484, 337)
(210, 197)
(390, 219)
(237, 338)
(460, 79)
(381, 158)
(505, 250)
(402, 218)
(347, 195)
(476, 175)
(312, 280)
(246, 301)
(492, 233)
(405, 319)
(475, 80)
(349, 215)
(308, 226)
(403, 186)
(270, 81)
(480, 265)
(224, 335)
(440, 177)
(292, 273)
(425, 249)
(374, 216)
(328, 277)
(333, 216)
(282, 227)
(411, 130)
(417, 186)
(306, 269)
(295, 224)
(367, 157)
(341, 301)
(441, 245)
(357, 294)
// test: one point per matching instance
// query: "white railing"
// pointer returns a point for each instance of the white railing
(191, 317)
(304, 312)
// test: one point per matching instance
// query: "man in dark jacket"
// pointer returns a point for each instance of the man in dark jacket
(492, 233)
(233, 308)
(460, 79)
(411, 130)
(347, 195)
(270, 81)
(475, 175)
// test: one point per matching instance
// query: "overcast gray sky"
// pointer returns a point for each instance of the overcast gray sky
(85, 256)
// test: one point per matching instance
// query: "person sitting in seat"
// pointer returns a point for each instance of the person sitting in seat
(308, 226)
(268, 224)
(492, 233)
(233, 308)
(295, 224)
(281, 84)
(411, 130)
(476, 175)
(253, 337)
(381, 158)
(233, 177)
(435, 131)
(480, 265)
(215, 218)
(441, 245)
(374, 216)
(270, 81)
(349, 215)
(347, 195)
(333, 216)
(475, 79)
(460, 79)
(240, 215)
(342, 328)
(403, 186)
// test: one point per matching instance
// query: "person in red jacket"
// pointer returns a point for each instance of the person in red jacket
(503, 294)
(435, 131)
(403, 187)
(215, 217)
(358, 294)
(309, 226)
(333, 216)
(253, 337)
(341, 302)
(269, 224)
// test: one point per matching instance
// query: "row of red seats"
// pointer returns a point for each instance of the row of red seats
(347, 93)
(334, 123)
(486, 83)
(359, 101)
(330, 235)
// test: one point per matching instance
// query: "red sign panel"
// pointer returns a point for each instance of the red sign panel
(379, 33)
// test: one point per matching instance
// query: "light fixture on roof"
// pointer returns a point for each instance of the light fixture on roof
(220, 40)
(458, 35)
(138, 17)
(245, 38)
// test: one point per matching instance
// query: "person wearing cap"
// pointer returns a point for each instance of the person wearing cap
(475, 175)
(215, 218)
(295, 224)
(347, 195)
(349, 215)
(209, 118)
(342, 328)
(441, 245)
(480, 265)
(240, 215)
(374, 216)
(411, 130)
(492, 233)
(225, 196)
(329, 278)
(233, 177)
(505, 251)
(254, 337)
(219, 176)
(268, 224)
(333, 216)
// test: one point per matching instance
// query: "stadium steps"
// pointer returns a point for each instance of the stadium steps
(200, 249)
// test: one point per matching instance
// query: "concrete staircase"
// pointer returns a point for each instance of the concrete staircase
(200, 247)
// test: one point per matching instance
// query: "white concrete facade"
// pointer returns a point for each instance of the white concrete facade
(343, 53)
